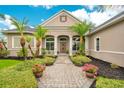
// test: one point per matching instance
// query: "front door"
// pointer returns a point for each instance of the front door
(62, 47)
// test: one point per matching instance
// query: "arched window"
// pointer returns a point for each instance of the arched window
(76, 43)
(50, 43)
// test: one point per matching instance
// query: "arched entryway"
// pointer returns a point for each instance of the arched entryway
(63, 44)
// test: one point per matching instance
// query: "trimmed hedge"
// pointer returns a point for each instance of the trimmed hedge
(49, 61)
(109, 83)
(80, 60)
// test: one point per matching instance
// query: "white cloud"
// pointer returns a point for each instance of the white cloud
(42, 20)
(7, 22)
(95, 17)
(48, 6)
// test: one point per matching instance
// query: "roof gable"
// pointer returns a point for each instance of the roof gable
(55, 19)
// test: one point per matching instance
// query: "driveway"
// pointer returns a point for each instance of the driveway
(63, 74)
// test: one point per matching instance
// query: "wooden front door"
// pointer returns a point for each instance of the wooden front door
(62, 47)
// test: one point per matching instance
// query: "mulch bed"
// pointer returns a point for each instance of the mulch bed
(106, 70)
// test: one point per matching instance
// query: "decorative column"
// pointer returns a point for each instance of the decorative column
(70, 45)
(55, 45)
(87, 45)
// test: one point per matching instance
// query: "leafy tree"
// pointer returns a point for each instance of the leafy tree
(39, 35)
(81, 29)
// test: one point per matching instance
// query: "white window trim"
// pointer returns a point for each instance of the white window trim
(19, 41)
(95, 44)
(13, 42)
(49, 41)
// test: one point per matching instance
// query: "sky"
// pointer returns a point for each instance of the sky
(37, 14)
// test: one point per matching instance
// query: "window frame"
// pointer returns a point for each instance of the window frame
(76, 42)
(61, 18)
(50, 44)
(95, 44)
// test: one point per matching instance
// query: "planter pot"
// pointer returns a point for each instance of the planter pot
(38, 75)
(90, 75)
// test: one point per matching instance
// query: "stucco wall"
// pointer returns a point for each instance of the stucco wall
(111, 44)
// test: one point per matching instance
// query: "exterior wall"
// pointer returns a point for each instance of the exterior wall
(111, 44)
(13, 51)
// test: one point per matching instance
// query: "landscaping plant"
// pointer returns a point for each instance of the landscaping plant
(91, 70)
(39, 35)
(38, 70)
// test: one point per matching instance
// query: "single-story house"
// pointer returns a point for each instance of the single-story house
(59, 38)
(106, 42)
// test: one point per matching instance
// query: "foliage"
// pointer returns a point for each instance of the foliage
(3, 52)
(109, 83)
(81, 29)
(43, 51)
(38, 68)
(114, 66)
(4, 63)
(20, 53)
(90, 68)
(39, 35)
(10, 78)
(80, 60)
(28, 64)
(49, 60)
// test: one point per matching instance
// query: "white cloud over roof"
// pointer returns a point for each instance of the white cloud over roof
(96, 17)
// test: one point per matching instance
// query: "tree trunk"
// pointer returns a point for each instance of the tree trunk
(29, 46)
(81, 44)
(37, 48)
(4, 45)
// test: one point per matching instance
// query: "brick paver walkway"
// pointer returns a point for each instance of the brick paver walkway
(63, 74)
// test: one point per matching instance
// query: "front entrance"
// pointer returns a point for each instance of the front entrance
(63, 47)
(63, 44)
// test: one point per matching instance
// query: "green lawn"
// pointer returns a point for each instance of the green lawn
(109, 83)
(4, 63)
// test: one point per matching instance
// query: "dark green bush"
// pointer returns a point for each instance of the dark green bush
(80, 60)
(109, 83)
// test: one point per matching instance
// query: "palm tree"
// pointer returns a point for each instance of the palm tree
(20, 26)
(39, 35)
(28, 40)
(81, 29)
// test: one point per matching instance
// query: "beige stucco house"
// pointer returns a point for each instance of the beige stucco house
(59, 38)
(106, 42)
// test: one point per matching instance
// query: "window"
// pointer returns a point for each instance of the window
(97, 44)
(50, 43)
(63, 18)
(76, 43)
(16, 42)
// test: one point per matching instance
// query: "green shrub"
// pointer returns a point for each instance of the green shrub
(49, 61)
(20, 53)
(49, 55)
(109, 83)
(4, 52)
(10, 78)
(114, 66)
(80, 60)
(26, 65)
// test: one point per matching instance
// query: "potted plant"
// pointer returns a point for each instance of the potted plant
(90, 70)
(38, 70)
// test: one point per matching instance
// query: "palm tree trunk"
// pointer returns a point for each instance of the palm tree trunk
(81, 44)
(29, 46)
(38, 48)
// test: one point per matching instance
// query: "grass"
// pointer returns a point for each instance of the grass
(109, 83)
(18, 74)
(10, 78)
(4, 63)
